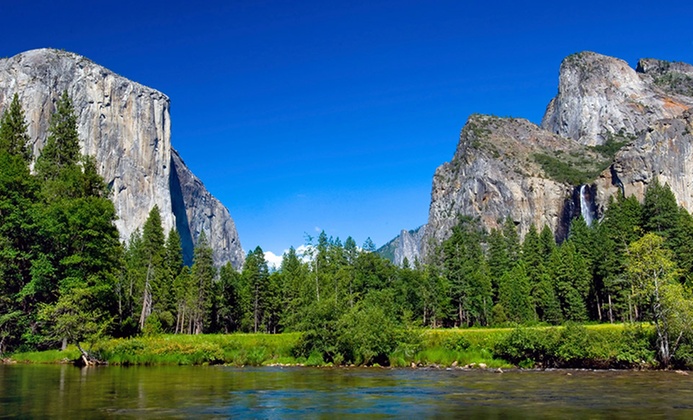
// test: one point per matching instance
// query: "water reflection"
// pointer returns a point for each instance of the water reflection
(66, 391)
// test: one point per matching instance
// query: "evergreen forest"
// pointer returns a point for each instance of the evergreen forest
(65, 277)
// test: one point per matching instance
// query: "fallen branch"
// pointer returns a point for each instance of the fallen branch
(86, 359)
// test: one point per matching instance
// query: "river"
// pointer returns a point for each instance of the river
(273, 392)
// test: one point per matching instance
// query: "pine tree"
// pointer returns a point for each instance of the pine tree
(659, 209)
(61, 150)
(203, 274)
(153, 252)
(512, 241)
(228, 306)
(532, 256)
(255, 277)
(466, 271)
(172, 264)
(184, 291)
(571, 279)
(498, 259)
(514, 295)
(18, 238)
(296, 288)
(14, 138)
(584, 238)
(548, 242)
(680, 244)
(620, 226)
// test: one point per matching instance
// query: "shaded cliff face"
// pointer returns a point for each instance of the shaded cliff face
(599, 96)
(127, 128)
(203, 212)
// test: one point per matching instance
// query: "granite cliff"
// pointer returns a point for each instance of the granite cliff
(599, 96)
(610, 128)
(127, 128)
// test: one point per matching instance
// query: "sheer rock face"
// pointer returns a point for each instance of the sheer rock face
(494, 173)
(408, 246)
(599, 96)
(203, 212)
(127, 128)
(665, 151)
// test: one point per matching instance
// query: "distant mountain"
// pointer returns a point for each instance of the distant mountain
(406, 245)
(127, 128)
(610, 129)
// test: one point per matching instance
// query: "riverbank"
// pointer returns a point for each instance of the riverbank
(572, 346)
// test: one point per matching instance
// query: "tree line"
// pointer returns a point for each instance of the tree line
(65, 276)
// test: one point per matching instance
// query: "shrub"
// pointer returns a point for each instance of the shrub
(365, 335)
(524, 344)
(636, 347)
(573, 347)
(456, 343)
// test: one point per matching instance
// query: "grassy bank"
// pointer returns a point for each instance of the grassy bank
(598, 346)
(571, 346)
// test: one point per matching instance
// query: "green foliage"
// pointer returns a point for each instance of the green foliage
(524, 344)
(571, 172)
(613, 143)
(573, 345)
(61, 151)
(14, 138)
(202, 275)
(64, 276)
(459, 343)
(76, 316)
(577, 346)
(635, 347)
(659, 210)
(676, 82)
(577, 168)
(366, 335)
(653, 275)
(571, 279)
(464, 267)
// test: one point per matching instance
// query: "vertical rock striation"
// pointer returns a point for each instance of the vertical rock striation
(407, 245)
(127, 128)
(600, 96)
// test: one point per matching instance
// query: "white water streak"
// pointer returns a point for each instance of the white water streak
(585, 208)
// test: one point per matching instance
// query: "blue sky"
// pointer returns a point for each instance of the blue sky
(308, 115)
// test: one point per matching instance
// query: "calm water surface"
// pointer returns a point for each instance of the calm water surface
(220, 392)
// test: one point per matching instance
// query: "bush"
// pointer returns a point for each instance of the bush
(574, 346)
(365, 335)
(524, 344)
(636, 347)
(456, 343)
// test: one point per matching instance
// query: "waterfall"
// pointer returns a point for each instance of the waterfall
(586, 204)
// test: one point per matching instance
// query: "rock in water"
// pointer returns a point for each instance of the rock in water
(127, 128)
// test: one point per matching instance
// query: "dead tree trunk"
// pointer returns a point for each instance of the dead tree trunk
(86, 359)
(146, 298)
